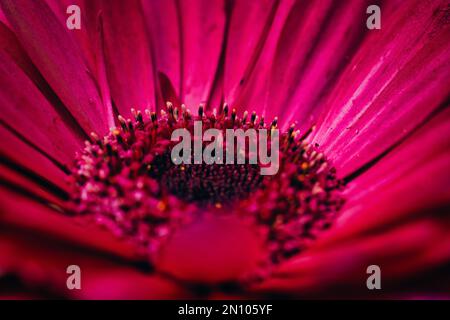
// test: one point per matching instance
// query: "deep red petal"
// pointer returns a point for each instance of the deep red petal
(83, 36)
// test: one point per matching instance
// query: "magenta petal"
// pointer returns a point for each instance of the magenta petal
(129, 66)
(398, 77)
(317, 41)
(42, 263)
(109, 282)
(163, 24)
(42, 125)
(83, 35)
(17, 180)
(90, 39)
(205, 251)
(202, 32)
(408, 182)
(19, 211)
(404, 252)
(249, 25)
(3, 18)
(23, 155)
(55, 53)
(395, 217)
(252, 94)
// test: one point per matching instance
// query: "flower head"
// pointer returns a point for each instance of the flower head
(88, 176)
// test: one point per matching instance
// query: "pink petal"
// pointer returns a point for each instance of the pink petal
(402, 253)
(83, 35)
(19, 211)
(410, 181)
(129, 66)
(16, 180)
(55, 53)
(250, 23)
(90, 39)
(211, 250)
(3, 18)
(163, 24)
(252, 95)
(202, 26)
(317, 41)
(11, 48)
(29, 113)
(398, 77)
(21, 154)
(42, 263)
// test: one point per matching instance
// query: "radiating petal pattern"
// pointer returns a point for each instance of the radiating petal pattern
(129, 65)
(22, 96)
(24, 155)
(48, 220)
(404, 184)
(398, 77)
(163, 25)
(373, 104)
(43, 264)
(202, 27)
(401, 253)
(58, 57)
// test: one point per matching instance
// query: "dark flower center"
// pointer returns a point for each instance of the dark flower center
(209, 184)
(127, 182)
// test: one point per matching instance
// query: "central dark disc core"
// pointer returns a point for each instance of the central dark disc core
(128, 182)
(214, 184)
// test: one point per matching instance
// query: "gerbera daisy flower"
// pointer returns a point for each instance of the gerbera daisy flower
(87, 177)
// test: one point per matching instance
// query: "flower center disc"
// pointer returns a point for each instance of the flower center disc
(207, 183)
(127, 182)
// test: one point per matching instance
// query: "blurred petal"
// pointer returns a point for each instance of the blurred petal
(42, 263)
(16, 151)
(401, 253)
(48, 220)
(55, 53)
(127, 283)
(82, 35)
(399, 76)
(211, 250)
(35, 188)
(3, 18)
